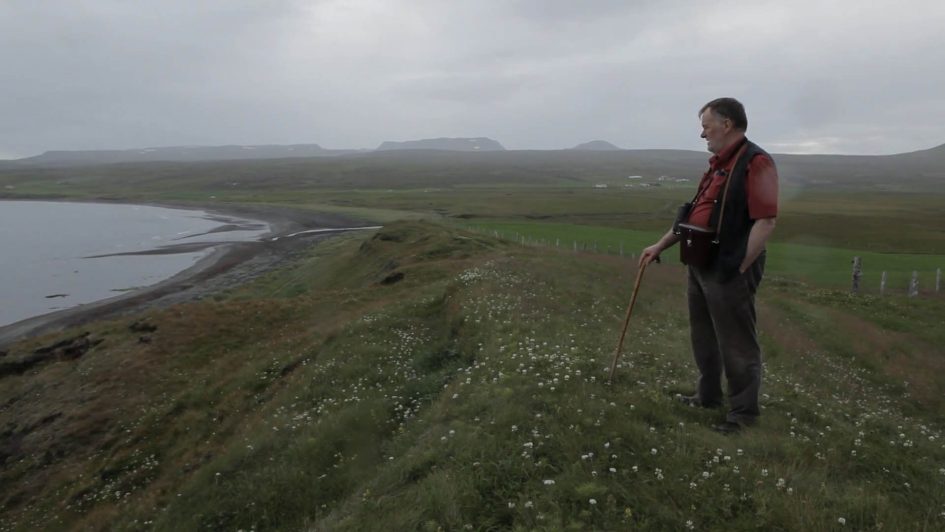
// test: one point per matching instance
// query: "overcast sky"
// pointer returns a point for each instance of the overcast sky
(857, 77)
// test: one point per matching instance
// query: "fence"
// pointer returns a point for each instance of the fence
(576, 246)
(898, 281)
(913, 289)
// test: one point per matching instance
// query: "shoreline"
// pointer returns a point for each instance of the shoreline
(229, 264)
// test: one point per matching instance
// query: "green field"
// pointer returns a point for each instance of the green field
(816, 265)
(471, 394)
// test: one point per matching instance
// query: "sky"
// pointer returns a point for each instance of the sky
(850, 77)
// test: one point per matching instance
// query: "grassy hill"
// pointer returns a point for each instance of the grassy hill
(427, 378)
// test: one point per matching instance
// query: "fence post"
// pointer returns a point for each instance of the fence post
(882, 284)
(914, 284)
(857, 273)
(938, 279)
(575, 245)
(621, 249)
(557, 242)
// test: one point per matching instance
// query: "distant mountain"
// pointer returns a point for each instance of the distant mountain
(917, 169)
(932, 154)
(918, 172)
(179, 154)
(436, 162)
(596, 145)
(448, 144)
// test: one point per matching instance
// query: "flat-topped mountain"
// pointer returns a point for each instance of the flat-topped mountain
(444, 143)
(179, 154)
(596, 145)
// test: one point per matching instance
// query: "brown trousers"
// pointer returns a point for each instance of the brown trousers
(722, 329)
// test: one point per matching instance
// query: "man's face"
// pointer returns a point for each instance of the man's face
(715, 129)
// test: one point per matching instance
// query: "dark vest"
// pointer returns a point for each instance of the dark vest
(736, 223)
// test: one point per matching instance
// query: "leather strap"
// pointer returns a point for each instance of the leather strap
(728, 181)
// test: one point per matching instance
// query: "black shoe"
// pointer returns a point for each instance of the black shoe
(693, 400)
(729, 427)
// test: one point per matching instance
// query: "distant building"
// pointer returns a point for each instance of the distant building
(634, 177)
(600, 185)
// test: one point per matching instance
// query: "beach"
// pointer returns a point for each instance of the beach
(228, 265)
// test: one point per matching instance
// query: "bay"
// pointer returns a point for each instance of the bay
(57, 255)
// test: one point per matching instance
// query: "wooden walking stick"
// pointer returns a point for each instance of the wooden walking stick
(626, 322)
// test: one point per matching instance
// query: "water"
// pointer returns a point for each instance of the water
(56, 255)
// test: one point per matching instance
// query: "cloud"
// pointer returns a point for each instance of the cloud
(841, 76)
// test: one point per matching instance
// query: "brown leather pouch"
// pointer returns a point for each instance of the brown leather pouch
(697, 245)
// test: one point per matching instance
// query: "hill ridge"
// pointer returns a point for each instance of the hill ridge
(194, 153)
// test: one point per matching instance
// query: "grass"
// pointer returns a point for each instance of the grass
(472, 395)
(817, 265)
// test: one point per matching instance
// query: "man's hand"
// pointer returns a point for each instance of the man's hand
(759, 234)
(650, 254)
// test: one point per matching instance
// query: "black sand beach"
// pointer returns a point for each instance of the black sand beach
(230, 264)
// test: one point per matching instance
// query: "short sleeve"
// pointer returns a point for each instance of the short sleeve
(761, 184)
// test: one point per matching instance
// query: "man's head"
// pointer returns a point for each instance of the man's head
(723, 122)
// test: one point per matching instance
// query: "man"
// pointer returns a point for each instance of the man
(722, 295)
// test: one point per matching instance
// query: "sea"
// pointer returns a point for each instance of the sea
(58, 255)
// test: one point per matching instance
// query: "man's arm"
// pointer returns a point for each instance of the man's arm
(652, 253)
(760, 232)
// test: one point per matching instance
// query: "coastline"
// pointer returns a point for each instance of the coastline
(229, 264)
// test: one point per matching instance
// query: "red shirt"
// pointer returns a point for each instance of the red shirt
(761, 186)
